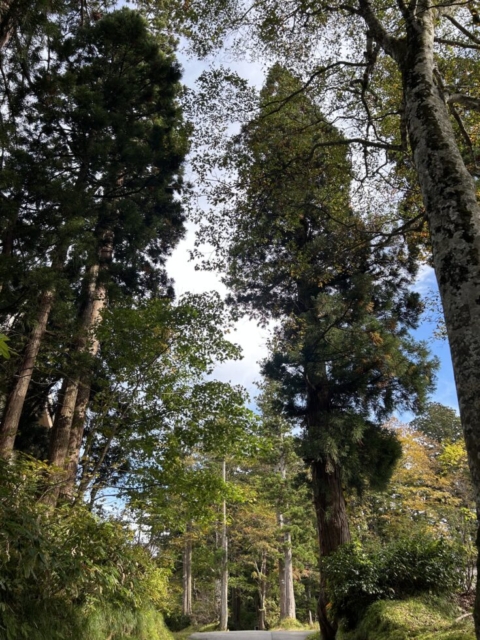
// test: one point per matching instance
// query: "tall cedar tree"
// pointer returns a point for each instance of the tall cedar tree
(401, 78)
(342, 350)
(103, 121)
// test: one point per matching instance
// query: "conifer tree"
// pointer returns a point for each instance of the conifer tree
(112, 144)
(298, 253)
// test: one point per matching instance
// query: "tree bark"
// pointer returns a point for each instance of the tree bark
(224, 568)
(16, 399)
(262, 592)
(332, 524)
(187, 575)
(76, 438)
(285, 564)
(96, 302)
(453, 214)
(290, 609)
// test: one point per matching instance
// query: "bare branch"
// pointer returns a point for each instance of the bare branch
(361, 141)
(315, 74)
(457, 43)
(471, 36)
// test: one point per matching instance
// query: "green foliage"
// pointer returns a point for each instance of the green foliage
(357, 576)
(4, 350)
(438, 422)
(66, 570)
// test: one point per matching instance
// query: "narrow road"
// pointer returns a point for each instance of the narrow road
(251, 635)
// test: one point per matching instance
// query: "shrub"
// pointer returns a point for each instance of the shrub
(62, 570)
(357, 577)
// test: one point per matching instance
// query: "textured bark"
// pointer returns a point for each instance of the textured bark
(62, 435)
(76, 438)
(285, 564)
(290, 609)
(454, 219)
(16, 399)
(224, 567)
(187, 576)
(332, 524)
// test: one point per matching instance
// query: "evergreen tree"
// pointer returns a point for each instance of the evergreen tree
(341, 352)
(111, 144)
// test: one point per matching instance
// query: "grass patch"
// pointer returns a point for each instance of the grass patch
(291, 624)
(423, 618)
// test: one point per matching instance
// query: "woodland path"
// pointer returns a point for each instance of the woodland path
(251, 635)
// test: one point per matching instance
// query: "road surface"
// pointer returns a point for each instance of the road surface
(252, 635)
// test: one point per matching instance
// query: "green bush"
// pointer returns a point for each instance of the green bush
(421, 564)
(357, 577)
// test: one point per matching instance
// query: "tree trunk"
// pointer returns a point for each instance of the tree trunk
(6, 21)
(333, 529)
(187, 574)
(16, 399)
(236, 608)
(290, 609)
(63, 439)
(224, 574)
(62, 436)
(285, 571)
(262, 592)
(453, 213)
(76, 438)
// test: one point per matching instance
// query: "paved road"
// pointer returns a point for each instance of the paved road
(252, 635)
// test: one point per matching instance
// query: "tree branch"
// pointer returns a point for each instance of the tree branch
(471, 36)
(363, 142)
(465, 101)
(457, 43)
(391, 45)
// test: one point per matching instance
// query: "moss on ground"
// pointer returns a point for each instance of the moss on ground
(423, 618)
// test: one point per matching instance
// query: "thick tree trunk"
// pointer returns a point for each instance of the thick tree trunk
(62, 437)
(333, 529)
(16, 399)
(454, 218)
(187, 575)
(290, 609)
(224, 568)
